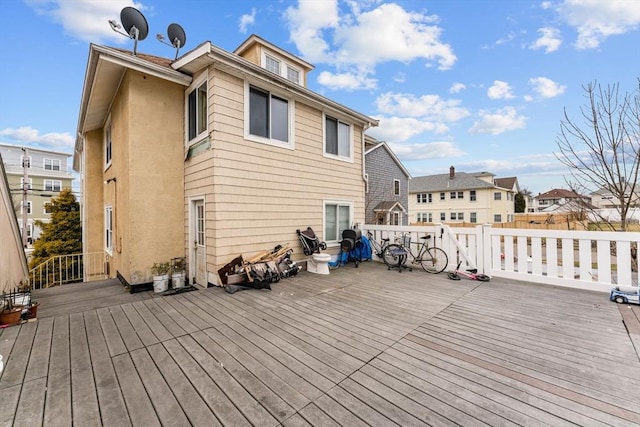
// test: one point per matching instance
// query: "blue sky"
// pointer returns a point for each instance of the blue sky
(480, 85)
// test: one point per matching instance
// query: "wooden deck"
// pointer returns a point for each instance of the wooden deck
(358, 347)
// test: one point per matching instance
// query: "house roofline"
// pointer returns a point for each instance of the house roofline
(237, 65)
(392, 154)
(125, 60)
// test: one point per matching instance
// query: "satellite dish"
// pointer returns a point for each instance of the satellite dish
(134, 24)
(176, 35)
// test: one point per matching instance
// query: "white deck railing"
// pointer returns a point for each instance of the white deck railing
(593, 260)
(63, 269)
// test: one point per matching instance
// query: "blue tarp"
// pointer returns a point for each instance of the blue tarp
(361, 252)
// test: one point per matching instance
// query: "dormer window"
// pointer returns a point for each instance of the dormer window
(272, 64)
(293, 74)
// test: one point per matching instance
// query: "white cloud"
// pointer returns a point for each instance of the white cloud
(500, 90)
(546, 88)
(457, 87)
(85, 19)
(346, 81)
(501, 121)
(549, 40)
(408, 152)
(247, 19)
(397, 129)
(595, 20)
(427, 107)
(31, 136)
(357, 40)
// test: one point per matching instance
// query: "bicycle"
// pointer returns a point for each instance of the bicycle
(470, 273)
(378, 247)
(432, 259)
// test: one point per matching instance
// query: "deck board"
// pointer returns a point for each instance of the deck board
(364, 346)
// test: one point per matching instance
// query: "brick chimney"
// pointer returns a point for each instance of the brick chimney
(452, 172)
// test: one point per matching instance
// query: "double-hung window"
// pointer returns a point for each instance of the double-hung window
(29, 185)
(337, 217)
(52, 185)
(293, 74)
(473, 217)
(197, 111)
(108, 228)
(472, 195)
(268, 117)
(52, 164)
(272, 64)
(28, 206)
(337, 137)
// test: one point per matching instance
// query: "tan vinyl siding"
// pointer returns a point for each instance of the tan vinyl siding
(262, 193)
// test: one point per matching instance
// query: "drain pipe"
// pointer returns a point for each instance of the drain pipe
(365, 177)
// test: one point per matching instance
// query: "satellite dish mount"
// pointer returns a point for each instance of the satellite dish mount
(134, 24)
(176, 35)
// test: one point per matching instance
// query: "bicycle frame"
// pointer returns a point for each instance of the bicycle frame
(378, 247)
(471, 273)
(431, 259)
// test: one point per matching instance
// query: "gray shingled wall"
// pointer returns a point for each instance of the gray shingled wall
(382, 170)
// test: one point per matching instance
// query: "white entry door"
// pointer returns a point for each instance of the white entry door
(199, 255)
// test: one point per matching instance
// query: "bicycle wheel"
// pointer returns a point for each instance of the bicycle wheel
(434, 260)
(394, 255)
(483, 277)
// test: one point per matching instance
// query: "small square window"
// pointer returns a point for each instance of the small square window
(497, 218)
(497, 196)
(453, 195)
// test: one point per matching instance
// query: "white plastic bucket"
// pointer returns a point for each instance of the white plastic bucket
(160, 283)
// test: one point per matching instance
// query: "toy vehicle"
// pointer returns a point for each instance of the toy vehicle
(625, 296)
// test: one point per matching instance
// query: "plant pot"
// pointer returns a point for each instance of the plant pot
(160, 283)
(10, 317)
(177, 280)
(33, 311)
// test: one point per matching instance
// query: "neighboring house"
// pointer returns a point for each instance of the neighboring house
(604, 199)
(210, 156)
(459, 197)
(387, 191)
(558, 199)
(45, 173)
(12, 257)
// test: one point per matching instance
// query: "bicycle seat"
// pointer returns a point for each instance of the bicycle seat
(472, 270)
(385, 240)
(428, 236)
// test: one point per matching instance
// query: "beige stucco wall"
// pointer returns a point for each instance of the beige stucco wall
(256, 194)
(147, 161)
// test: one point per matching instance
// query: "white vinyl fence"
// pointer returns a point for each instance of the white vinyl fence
(592, 260)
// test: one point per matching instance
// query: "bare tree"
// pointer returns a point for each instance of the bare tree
(602, 151)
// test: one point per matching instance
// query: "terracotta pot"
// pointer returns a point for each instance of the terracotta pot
(33, 311)
(10, 317)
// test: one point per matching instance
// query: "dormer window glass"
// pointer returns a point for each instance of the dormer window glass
(293, 75)
(272, 64)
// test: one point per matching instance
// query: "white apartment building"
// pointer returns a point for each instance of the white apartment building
(47, 173)
(459, 197)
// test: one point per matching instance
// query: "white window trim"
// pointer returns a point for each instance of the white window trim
(107, 125)
(29, 184)
(195, 84)
(53, 163)
(291, 115)
(284, 64)
(53, 185)
(22, 161)
(268, 57)
(108, 247)
(324, 138)
(324, 217)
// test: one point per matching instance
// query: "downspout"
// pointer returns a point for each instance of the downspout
(365, 178)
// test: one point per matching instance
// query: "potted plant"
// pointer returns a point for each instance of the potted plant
(160, 271)
(9, 314)
(178, 273)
